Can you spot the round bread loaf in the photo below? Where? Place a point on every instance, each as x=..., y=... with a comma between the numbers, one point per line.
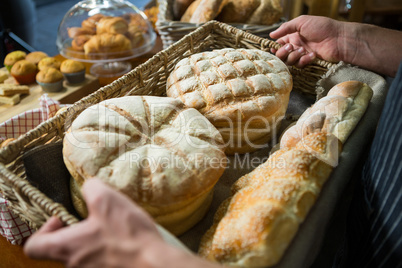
x=164, y=156
x=243, y=92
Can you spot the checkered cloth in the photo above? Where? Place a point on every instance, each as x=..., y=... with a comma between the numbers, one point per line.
x=11, y=226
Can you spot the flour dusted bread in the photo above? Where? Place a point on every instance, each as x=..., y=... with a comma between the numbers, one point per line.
x=243, y=92
x=156, y=151
x=255, y=226
x=337, y=113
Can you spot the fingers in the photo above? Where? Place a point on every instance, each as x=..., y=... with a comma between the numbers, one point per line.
x=291, y=55
x=51, y=225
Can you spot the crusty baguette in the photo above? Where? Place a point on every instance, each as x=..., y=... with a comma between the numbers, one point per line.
x=255, y=226
x=337, y=113
x=202, y=11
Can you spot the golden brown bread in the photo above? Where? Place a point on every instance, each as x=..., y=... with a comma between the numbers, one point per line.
x=154, y=150
x=238, y=11
x=337, y=113
x=201, y=11
x=255, y=226
x=77, y=31
x=107, y=43
x=112, y=25
x=36, y=56
x=49, y=75
x=243, y=92
x=91, y=22
x=267, y=13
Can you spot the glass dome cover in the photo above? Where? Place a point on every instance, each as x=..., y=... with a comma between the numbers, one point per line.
x=104, y=31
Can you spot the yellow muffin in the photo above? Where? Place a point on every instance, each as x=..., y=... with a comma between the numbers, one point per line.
x=13, y=57
x=24, y=72
x=71, y=66
x=73, y=71
x=50, y=79
x=36, y=56
x=48, y=62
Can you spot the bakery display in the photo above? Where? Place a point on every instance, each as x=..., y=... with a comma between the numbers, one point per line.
x=50, y=79
x=255, y=226
x=260, y=12
x=13, y=57
x=73, y=71
x=243, y=92
x=104, y=31
x=24, y=72
x=153, y=149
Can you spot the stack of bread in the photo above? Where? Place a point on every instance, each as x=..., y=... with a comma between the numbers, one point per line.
x=261, y=12
x=101, y=34
x=163, y=155
x=243, y=92
x=255, y=226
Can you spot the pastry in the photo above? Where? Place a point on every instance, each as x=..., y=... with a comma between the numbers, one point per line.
x=79, y=41
x=153, y=149
x=11, y=89
x=77, y=31
x=243, y=92
x=13, y=57
x=50, y=79
x=24, y=72
x=115, y=45
x=112, y=25
x=36, y=56
x=11, y=100
x=91, y=22
x=255, y=226
x=73, y=71
x=48, y=62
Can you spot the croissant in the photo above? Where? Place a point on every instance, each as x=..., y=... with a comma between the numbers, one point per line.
x=107, y=43
x=113, y=25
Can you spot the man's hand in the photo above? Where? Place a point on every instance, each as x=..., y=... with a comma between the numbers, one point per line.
x=306, y=37
x=115, y=234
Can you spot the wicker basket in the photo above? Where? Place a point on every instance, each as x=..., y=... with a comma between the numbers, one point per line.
x=149, y=78
x=172, y=31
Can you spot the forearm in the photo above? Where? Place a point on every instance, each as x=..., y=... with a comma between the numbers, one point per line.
x=372, y=47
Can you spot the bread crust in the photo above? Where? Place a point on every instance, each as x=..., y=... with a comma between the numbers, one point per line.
x=240, y=91
x=255, y=226
x=153, y=149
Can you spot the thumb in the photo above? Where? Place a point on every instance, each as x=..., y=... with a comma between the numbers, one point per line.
x=285, y=29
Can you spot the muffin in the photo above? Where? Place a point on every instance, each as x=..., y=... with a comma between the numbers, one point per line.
x=13, y=57
x=24, y=72
x=49, y=62
x=73, y=71
x=36, y=56
x=50, y=79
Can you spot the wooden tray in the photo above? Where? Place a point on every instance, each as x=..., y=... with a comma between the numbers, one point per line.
x=69, y=94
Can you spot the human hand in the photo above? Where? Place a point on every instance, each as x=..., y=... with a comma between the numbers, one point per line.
x=116, y=233
x=306, y=37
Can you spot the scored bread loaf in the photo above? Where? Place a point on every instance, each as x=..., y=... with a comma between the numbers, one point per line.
x=243, y=92
x=255, y=226
x=164, y=156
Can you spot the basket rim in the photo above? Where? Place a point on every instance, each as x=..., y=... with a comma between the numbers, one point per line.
x=12, y=150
